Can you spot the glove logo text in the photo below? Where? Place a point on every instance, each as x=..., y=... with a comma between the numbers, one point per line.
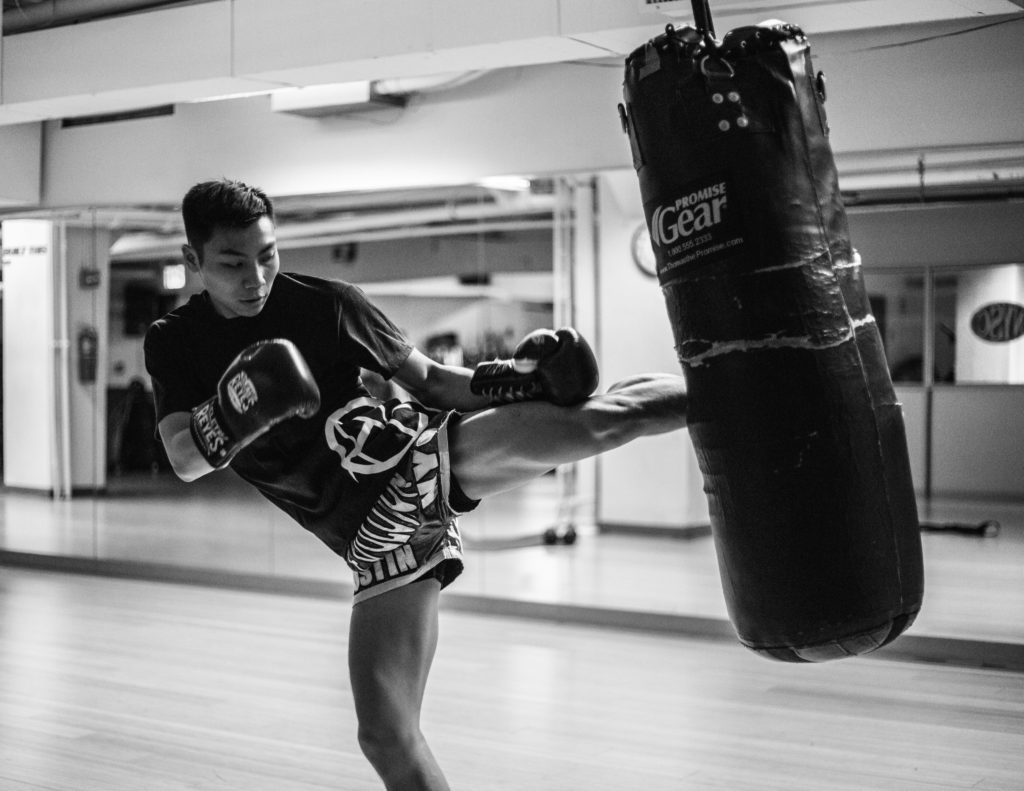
x=209, y=430
x=242, y=392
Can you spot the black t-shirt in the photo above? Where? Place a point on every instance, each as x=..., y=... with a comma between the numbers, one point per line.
x=338, y=331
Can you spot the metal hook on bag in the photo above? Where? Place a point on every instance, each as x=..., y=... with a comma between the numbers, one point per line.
x=728, y=75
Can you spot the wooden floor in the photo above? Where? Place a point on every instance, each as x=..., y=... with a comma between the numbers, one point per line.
x=120, y=685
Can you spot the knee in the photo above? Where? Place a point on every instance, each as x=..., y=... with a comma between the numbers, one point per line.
x=387, y=746
x=376, y=739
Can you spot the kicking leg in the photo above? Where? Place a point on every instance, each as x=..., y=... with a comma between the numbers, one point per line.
x=392, y=641
x=500, y=448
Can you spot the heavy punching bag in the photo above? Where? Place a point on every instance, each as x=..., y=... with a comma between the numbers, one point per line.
x=792, y=412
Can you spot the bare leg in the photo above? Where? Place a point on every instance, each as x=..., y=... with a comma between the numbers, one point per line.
x=392, y=641
x=500, y=448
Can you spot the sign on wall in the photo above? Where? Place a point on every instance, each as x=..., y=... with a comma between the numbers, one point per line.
x=998, y=322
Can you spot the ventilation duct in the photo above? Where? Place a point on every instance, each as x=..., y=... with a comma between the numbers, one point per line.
x=318, y=101
x=24, y=16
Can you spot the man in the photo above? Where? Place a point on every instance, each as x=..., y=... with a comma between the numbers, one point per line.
x=261, y=371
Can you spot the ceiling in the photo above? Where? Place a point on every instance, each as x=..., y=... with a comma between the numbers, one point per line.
x=274, y=45
x=31, y=15
x=65, y=59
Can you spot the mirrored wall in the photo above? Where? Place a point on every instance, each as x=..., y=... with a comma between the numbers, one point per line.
x=467, y=271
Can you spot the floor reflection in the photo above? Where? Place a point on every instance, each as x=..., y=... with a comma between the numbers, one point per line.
x=974, y=585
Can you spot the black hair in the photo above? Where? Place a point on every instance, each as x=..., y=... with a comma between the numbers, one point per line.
x=221, y=203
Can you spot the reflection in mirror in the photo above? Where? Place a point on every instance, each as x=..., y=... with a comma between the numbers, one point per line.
x=897, y=302
x=467, y=271
x=981, y=311
x=464, y=271
x=961, y=442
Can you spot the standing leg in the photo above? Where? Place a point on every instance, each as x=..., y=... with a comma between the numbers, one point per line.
x=503, y=447
x=392, y=641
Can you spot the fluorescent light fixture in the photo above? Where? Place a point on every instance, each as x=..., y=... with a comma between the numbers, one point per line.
x=228, y=96
x=315, y=98
x=506, y=183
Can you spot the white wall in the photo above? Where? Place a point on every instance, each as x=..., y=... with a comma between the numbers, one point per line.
x=979, y=360
x=30, y=433
x=48, y=410
x=653, y=482
x=20, y=165
x=901, y=88
x=940, y=234
x=976, y=442
x=531, y=120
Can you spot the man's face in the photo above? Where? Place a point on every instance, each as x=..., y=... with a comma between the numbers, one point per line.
x=237, y=267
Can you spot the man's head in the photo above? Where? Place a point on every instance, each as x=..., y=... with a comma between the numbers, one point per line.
x=232, y=244
x=222, y=203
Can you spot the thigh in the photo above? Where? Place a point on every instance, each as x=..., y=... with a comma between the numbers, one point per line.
x=392, y=640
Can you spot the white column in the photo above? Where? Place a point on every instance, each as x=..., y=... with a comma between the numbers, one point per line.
x=995, y=356
x=30, y=388
x=575, y=305
x=55, y=300
x=655, y=481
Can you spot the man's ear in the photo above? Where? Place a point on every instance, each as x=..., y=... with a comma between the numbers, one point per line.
x=191, y=257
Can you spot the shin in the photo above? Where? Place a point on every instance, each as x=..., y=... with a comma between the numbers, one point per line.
x=497, y=449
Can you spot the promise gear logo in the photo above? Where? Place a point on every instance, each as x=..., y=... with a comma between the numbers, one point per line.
x=700, y=210
x=698, y=228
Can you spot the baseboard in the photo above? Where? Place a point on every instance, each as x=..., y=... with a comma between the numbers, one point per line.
x=51, y=494
x=186, y=575
x=685, y=532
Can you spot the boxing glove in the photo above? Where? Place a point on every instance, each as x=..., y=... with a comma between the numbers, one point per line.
x=556, y=366
x=267, y=383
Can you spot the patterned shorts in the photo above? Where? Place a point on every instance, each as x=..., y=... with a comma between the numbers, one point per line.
x=412, y=530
